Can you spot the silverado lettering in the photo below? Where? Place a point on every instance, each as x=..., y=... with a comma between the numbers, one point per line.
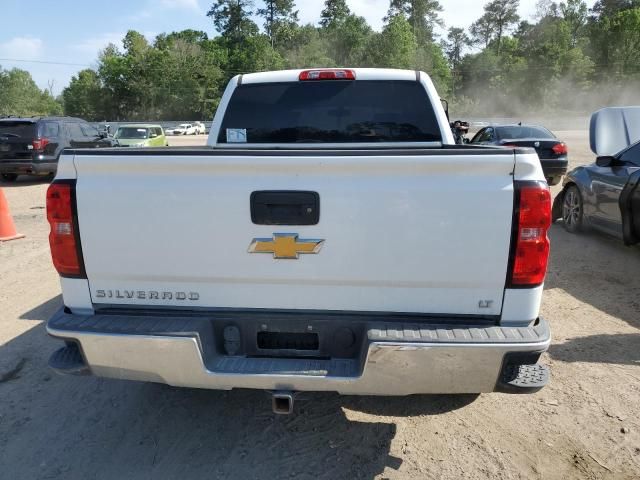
x=143, y=295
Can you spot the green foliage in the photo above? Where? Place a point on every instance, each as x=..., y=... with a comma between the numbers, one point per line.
x=616, y=43
x=82, y=98
x=334, y=13
x=281, y=20
x=20, y=96
x=232, y=19
x=455, y=44
x=396, y=45
x=423, y=16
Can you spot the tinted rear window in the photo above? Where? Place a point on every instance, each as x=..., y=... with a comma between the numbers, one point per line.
x=331, y=112
x=515, y=132
x=18, y=129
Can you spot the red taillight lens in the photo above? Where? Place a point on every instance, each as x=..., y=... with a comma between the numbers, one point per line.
x=533, y=217
x=332, y=74
x=40, y=143
x=64, y=238
x=560, y=149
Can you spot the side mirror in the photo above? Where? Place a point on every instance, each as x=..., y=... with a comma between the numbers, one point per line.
x=606, y=161
x=153, y=135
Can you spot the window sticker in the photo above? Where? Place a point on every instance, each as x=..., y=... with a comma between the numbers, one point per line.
x=236, y=135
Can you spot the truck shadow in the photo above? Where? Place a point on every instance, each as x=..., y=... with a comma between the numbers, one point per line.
x=85, y=427
x=598, y=270
x=43, y=311
x=622, y=349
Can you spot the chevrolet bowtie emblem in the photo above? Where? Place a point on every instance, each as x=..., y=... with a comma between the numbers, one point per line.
x=285, y=245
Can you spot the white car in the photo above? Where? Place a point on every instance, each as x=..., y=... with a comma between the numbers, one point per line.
x=185, y=129
x=200, y=128
x=349, y=247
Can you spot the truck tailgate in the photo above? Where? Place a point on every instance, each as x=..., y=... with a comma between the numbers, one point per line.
x=405, y=230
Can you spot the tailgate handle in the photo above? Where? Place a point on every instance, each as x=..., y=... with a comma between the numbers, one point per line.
x=285, y=207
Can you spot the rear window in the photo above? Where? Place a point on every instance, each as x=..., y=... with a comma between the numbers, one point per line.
x=49, y=129
x=330, y=112
x=516, y=132
x=131, y=132
x=18, y=129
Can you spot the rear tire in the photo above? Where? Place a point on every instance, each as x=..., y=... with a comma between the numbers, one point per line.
x=572, y=211
x=9, y=177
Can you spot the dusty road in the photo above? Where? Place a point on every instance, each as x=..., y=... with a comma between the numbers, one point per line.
x=58, y=427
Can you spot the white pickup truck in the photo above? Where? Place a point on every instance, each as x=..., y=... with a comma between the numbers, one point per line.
x=330, y=237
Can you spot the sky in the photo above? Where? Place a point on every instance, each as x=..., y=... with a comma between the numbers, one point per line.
x=70, y=33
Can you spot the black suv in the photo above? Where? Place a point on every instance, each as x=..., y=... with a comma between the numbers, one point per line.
x=32, y=146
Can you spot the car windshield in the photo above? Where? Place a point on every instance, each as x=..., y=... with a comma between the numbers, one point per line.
x=132, y=132
x=184, y=125
x=17, y=129
x=333, y=111
x=515, y=132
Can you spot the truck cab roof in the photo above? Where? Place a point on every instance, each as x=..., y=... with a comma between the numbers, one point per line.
x=360, y=74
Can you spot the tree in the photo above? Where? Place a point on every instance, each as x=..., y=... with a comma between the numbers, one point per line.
x=232, y=19
x=457, y=40
x=19, y=95
x=615, y=44
x=502, y=14
x=546, y=8
x=335, y=13
x=482, y=31
x=309, y=47
x=280, y=19
x=82, y=98
x=423, y=16
x=576, y=14
x=607, y=8
x=395, y=46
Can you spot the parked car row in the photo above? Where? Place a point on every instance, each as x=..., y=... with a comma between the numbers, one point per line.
x=32, y=146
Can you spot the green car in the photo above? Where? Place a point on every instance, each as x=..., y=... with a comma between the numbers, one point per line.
x=141, y=136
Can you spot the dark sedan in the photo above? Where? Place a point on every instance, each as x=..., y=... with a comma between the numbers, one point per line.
x=552, y=152
x=604, y=195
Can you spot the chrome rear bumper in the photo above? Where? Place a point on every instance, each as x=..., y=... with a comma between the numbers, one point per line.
x=393, y=358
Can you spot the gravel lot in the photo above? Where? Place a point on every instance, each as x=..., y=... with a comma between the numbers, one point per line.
x=583, y=425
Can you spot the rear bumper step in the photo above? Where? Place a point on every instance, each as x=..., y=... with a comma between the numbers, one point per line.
x=523, y=378
x=388, y=358
x=68, y=360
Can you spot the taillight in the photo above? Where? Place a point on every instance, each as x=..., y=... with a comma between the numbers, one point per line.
x=529, y=242
x=560, y=149
x=64, y=237
x=327, y=74
x=40, y=143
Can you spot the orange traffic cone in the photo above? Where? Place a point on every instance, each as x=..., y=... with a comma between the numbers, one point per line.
x=7, y=228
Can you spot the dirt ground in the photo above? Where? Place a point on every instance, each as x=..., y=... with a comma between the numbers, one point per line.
x=583, y=425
